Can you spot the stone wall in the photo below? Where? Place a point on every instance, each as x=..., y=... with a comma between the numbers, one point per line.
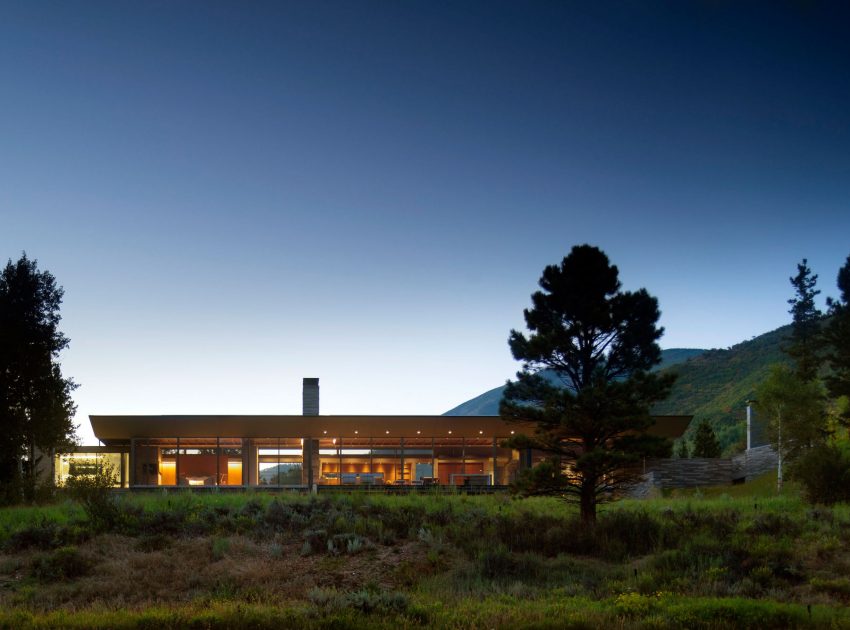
x=754, y=462
x=689, y=473
x=701, y=471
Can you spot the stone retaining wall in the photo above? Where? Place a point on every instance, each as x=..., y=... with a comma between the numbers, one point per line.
x=702, y=471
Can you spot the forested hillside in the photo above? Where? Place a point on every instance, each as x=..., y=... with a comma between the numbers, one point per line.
x=487, y=404
x=712, y=385
x=716, y=385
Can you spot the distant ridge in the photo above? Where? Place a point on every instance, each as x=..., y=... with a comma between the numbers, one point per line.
x=487, y=404
x=712, y=385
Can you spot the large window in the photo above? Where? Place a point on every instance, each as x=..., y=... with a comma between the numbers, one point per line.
x=84, y=464
x=231, y=469
x=280, y=461
x=199, y=462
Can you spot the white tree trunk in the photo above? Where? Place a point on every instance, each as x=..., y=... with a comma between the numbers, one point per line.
x=779, y=453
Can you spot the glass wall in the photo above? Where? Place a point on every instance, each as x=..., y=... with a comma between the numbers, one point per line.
x=386, y=460
x=419, y=461
x=232, y=459
x=280, y=462
x=83, y=464
x=199, y=462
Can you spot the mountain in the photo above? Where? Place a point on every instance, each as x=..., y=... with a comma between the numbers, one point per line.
x=712, y=385
x=487, y=404
x=715, y=386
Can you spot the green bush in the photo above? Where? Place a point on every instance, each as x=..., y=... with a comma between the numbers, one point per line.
x=367, y=601
x=46, y=535
x=94, y=493
x=824, y=474
x=622, y=533
x=65, y=563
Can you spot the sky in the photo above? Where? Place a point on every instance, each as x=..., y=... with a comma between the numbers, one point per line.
x=236, y=195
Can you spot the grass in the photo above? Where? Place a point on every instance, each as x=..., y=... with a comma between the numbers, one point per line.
x=738, y=556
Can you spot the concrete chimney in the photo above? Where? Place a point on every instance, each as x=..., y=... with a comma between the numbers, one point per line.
x=310, y=398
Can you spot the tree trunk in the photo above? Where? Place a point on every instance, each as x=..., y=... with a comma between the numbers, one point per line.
x=779, y=458
x=587, y=501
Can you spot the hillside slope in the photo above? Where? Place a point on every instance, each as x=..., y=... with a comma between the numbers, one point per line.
x=712, y=385
x=716, y=385
x=487, y=404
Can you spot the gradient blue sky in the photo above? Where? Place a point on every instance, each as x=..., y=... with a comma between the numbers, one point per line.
x=237, y=195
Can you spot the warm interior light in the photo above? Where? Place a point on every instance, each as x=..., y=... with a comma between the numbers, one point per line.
x=325, y=432
x=356, y=432
x=450, y=432
x=234, y=473
x=512, y=432
x=481, y=433
x=418, y=432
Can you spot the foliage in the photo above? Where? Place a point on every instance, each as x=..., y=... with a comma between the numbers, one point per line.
x=806, y=340
x=824, y=473
x=665, y=563
x=601, y=343
x=837, y=335
x=682, y=451
x=487, y=404
x=705, y=441
x=36, y=409
x=716, y=385
x=795, y=410
x=93, y=491
x=65, y=563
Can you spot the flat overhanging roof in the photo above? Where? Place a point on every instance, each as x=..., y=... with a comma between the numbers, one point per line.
x=118, y=429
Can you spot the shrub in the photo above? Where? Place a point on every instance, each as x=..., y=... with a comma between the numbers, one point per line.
x=315, y=541
x=278, y=515
x=64, y=563
x=501, y=564
x=824, y=474
x=622, y=533
x=94, y=493
x=46, y=535
x=152, y=542
x=219, y=548
x=774, y=524
x=42, y=535
x=365, y=600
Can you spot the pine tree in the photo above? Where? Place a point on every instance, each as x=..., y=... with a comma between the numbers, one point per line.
x=36, y=409
x=682, y=451
x=806, y=340
x=601, y=343
x=705, y=441
x=838, y=337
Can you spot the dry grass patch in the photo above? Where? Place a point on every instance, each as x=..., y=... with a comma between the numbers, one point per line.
x=203, y=569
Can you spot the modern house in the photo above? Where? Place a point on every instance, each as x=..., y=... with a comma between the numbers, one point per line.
x=310, y=449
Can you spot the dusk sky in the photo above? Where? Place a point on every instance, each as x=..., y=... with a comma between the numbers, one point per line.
x=238, y=195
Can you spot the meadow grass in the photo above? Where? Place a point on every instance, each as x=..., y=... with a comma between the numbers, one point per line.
x=715, y=558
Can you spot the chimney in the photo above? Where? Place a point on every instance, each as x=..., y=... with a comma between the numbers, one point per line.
x=310, y=398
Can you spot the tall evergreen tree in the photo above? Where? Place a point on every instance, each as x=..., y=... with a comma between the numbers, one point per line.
x=806, y=340
x=682, y=451
x=838, y=336
x=36, y=409
x=601, y=343
x=705, y=441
